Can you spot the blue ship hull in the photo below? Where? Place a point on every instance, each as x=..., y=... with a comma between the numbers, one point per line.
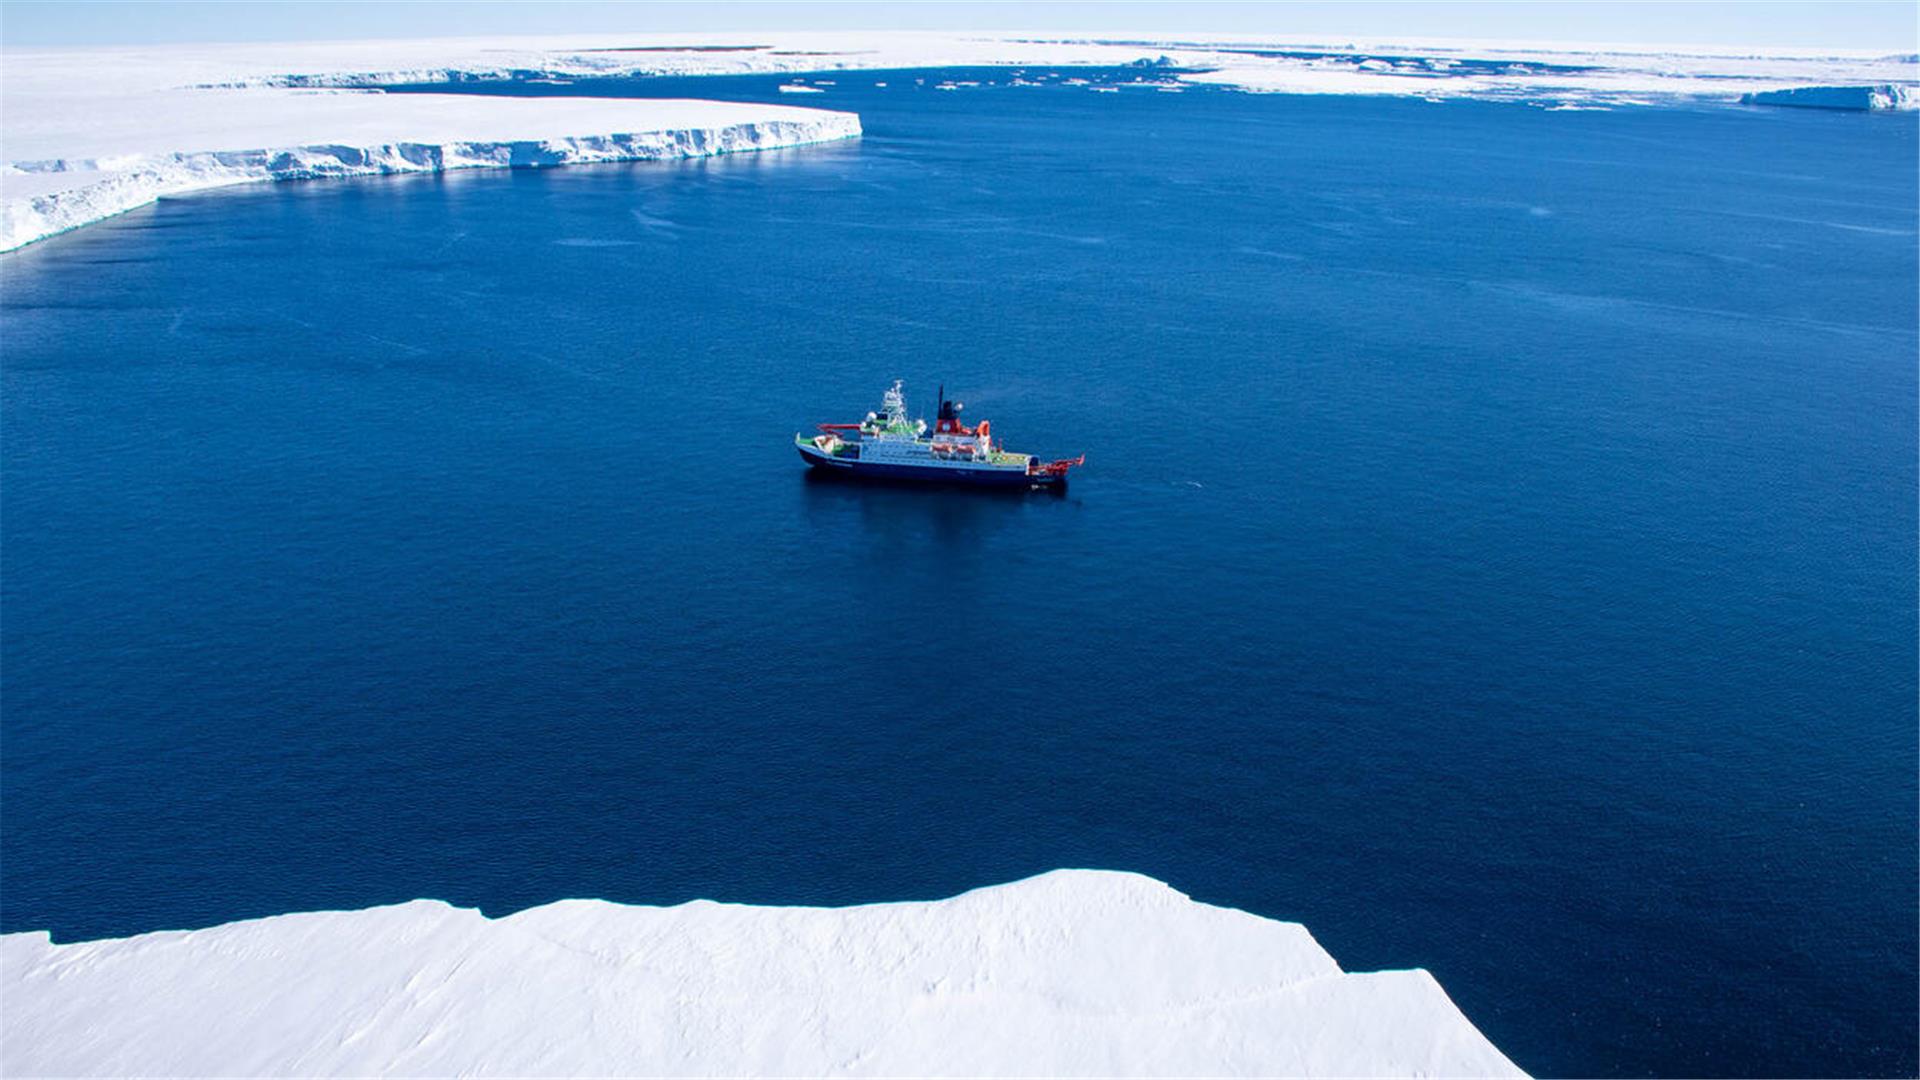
x=950, y=476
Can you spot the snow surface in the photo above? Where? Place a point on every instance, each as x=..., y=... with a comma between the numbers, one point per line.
x=1076, y=972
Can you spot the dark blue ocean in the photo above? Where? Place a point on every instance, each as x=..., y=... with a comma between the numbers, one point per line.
x=1496, y=548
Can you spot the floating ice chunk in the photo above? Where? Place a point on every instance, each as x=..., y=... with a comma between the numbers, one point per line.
x=1882, y=96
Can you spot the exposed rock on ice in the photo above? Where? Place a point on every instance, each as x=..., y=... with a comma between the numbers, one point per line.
x=1070, y=973
x=1883, y=96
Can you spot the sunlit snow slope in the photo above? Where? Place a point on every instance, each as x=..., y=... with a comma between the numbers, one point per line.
x=1070, y=973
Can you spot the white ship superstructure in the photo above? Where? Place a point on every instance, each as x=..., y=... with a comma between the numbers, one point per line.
x=887, y=445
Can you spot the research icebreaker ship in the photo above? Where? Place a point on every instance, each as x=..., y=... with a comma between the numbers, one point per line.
x=888, y=446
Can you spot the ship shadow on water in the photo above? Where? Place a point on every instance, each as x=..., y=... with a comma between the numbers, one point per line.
x=818, y=479
x=897, y=508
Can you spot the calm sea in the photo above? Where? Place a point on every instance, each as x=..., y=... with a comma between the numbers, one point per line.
x=1496, y=548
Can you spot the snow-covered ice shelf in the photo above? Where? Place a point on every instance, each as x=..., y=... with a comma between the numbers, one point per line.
x=351, y=134
x=126, y=125
x=1071, y=973
x=89, y=134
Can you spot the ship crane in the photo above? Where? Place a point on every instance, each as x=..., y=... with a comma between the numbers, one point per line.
x=1060, y=467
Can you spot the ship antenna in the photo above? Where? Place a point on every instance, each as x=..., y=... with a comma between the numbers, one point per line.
x=895, y=404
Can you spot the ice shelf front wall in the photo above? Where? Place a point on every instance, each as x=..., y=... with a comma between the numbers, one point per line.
x=1076, y=972
x=1860, y=98
x=297, y=135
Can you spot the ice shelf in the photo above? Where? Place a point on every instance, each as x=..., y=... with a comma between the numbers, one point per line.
x=93, y=132
x=180, y=141
x=1075, y=972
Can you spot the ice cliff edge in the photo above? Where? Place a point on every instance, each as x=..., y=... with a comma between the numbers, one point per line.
x=329, y=135
x=1866, y=98
x=1072, y=972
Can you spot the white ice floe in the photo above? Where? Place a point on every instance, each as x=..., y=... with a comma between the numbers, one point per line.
x=1070, y=973
x=1413, y=66
x=1884, y=96
x=1599, y=75
x=1252, y=61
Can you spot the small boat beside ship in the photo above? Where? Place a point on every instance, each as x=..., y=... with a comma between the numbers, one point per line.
x=888, y=446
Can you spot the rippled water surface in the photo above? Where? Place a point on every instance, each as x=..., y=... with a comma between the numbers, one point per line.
x=1496, y=548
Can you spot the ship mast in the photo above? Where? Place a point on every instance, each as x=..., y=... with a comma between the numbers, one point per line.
x=895, y=404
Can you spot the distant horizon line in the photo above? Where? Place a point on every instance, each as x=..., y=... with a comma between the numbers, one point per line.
x=1196, y=37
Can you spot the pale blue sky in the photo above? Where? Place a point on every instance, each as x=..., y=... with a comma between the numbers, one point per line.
x=1874, y=24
